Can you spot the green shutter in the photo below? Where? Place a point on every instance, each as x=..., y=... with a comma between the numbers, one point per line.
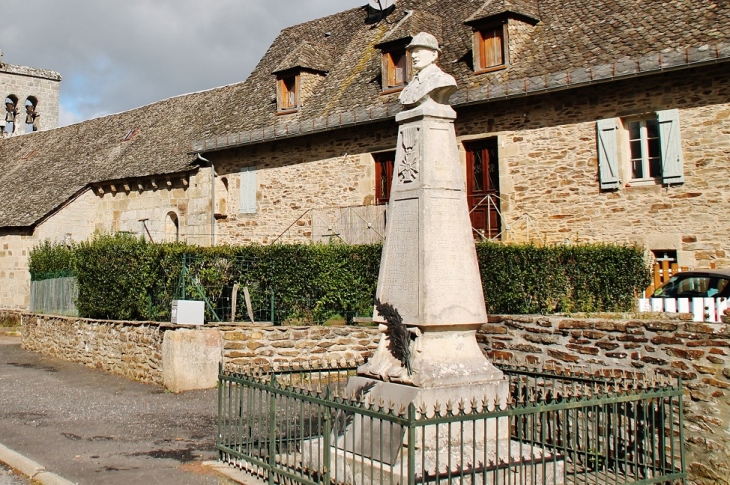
x=248, y=190
x=606, y=131
x=671, y=144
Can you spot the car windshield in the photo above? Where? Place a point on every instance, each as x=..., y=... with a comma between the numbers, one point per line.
x=680, y=286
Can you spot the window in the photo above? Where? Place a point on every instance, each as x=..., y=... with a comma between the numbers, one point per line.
x=172, y=227
x=383, y=176
x=396, y=69
x=644, y=152
x=288, y=93
x=247, y=203
x=490, y=48
x=652, y=146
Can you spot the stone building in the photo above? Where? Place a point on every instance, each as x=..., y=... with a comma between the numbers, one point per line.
x=601, y=121
x=30, y=99
x=604, y=121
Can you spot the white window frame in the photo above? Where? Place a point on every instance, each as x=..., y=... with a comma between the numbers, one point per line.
x=644, y=145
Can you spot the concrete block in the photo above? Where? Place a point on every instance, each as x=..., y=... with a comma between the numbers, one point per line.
x=190, y=358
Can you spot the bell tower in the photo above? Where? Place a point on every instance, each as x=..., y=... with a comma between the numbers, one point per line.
x=30, y=99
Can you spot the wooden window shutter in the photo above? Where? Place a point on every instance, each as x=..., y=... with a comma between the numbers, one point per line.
x=280, y=93
x=671, y=146
x=297, y=90
x=248, y=190
x=606, y=131
x=477, y=51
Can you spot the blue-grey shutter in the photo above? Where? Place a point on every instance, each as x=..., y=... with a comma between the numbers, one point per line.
x=671, y=143
x=248, y=190
x=607, y=153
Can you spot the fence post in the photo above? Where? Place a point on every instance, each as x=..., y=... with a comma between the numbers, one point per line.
x=681, y=429
x=273, y=320
x=272, y=429
x=412, y=444
x=219, y=438
x=326, y=452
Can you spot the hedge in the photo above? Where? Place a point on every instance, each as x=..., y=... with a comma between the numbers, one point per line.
x=125, y=278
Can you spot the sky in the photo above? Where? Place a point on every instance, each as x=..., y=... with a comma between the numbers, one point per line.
x=117, y=55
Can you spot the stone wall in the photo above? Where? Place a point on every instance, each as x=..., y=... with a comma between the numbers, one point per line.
x=699, y=353
x=141, y=350
x=328, y=170
x=548, y=166
x=42, y=84
x=129, y=349
x=258, y=345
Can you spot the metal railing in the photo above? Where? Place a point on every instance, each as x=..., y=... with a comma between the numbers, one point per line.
x=305, y=425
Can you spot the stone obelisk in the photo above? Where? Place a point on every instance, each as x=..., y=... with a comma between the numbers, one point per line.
x=429, y=270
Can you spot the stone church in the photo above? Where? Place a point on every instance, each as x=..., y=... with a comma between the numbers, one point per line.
x=602, y=121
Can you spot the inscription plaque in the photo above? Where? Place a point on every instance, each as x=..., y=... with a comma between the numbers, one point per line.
x=400, y=270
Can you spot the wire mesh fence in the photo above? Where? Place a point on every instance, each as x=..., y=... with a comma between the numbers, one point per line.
x=305, y=425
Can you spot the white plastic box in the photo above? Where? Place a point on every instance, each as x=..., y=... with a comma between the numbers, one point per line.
x=188, y=312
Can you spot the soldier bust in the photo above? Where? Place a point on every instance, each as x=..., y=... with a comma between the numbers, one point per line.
x=430, y=84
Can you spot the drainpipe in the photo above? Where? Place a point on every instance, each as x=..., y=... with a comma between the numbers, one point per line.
x=212, y=198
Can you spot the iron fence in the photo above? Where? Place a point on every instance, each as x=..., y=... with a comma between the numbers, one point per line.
x=305, y=425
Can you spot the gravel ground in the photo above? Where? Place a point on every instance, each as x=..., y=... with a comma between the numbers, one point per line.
x=7, y=477
x=91, y=427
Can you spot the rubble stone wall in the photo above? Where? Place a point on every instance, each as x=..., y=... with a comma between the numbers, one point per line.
x=699, y=353
x=129, y=349
x=258, y=345
x=135, y=349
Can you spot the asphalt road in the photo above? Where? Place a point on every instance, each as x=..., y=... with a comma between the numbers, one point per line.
x=91, y=427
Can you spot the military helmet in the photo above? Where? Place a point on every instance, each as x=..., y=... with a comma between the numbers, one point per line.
x=424, y=39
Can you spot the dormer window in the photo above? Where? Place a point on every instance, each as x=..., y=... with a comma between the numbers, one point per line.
x=396, y=66
x=287, y=93
x=490, y=47
x=395, y=69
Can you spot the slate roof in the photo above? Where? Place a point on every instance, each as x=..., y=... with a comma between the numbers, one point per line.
x=65, y=160
x=570, y=35
x=528, y=8
x=307, y=56
x=574, y=40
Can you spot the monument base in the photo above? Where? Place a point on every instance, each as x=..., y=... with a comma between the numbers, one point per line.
x=440, y=358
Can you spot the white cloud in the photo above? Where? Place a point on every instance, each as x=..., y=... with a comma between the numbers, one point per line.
x=115, y=56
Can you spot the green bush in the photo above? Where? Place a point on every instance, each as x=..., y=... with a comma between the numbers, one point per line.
x=523, y=279
x=123, y=277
